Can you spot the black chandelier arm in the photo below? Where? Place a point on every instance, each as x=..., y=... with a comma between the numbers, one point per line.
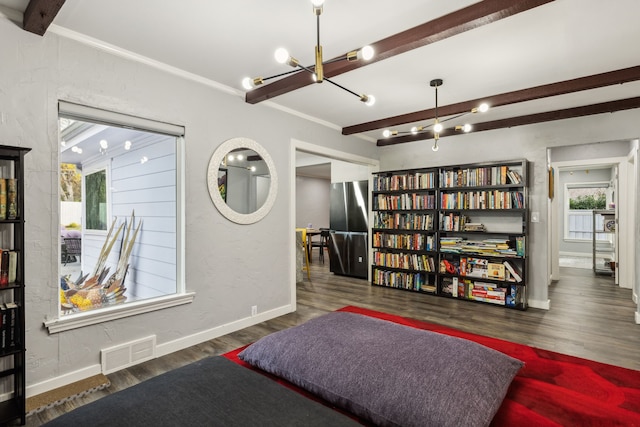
x=455, y=117
x=280, y=75
x=342, y=87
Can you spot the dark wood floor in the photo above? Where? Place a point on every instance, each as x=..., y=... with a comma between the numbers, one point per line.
x=590, y=317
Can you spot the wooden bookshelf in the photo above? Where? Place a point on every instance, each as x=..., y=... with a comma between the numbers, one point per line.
x=456, y=231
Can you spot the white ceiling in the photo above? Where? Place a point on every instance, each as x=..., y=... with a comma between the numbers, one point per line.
x=226, y=41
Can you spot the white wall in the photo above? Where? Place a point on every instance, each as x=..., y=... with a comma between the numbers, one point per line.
x=230, y=267
x=529, y=142
x=349, y=172
x=312, y=202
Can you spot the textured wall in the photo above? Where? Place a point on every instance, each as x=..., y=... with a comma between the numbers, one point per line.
x=528, y=142
x=230, y=267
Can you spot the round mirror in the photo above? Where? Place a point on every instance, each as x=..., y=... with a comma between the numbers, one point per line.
x=242, y=180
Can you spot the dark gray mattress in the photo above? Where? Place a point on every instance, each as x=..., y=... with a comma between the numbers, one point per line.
x=211, y=392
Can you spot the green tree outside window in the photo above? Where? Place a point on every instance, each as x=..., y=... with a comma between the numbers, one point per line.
x=96, y=200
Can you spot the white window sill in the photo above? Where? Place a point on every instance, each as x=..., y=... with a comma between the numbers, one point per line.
x=74, y=321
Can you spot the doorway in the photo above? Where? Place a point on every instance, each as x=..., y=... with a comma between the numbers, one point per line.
x=365, y=165
x=616, y=162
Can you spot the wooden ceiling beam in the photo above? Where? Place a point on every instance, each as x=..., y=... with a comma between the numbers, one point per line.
x=567, y=113
x=468, y=18
x=595, y=81
x=40, y=14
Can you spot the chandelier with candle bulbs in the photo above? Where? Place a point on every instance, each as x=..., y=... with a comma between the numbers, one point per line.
x=316, y=70
x=437, y=125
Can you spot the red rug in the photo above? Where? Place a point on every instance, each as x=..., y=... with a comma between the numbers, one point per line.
x=552, y=389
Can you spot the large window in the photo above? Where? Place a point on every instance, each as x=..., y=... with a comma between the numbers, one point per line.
x=120, y=205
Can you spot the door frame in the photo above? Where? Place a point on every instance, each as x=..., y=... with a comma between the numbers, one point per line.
x=330, y=153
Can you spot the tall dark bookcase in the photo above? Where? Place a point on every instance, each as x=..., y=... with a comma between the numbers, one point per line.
x=12, y=330
x=455, y=231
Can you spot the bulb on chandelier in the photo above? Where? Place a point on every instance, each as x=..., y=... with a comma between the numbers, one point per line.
x=437, y=128
x=368, y=100
x=387, y=133
x=281, y=55
x=248, y=83
x=435, y=146
x=366, y=53
x=482, y=108
x=464, y=128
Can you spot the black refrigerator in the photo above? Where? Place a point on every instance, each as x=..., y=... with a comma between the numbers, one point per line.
x=348, y=217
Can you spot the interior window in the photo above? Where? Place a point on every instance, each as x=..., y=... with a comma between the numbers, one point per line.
x=119, y=223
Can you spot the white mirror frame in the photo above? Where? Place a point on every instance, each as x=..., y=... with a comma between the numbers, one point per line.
x=212, y=180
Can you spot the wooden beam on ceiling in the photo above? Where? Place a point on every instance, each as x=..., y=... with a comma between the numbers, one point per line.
x=567, y=113
x=595, y=81
x=468, y=18
x=40, y=14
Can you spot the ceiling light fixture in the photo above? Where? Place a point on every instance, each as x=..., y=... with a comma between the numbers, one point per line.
x=317, y=70
x=437, y=126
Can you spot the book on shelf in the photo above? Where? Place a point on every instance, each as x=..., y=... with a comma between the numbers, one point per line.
x=496, y=271
x=488, y=292
x=3, y=198
x=514, y=176
x=513, y=296
x=8, y=266
x=474, y=226
x=475, y=267
x=514, y=271
x=4, y=268
x=520, y=245
x=8, y=325
x=12, y=198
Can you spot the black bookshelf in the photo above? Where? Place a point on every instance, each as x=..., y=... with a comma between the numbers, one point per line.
x=468, y=243
x=12, y=307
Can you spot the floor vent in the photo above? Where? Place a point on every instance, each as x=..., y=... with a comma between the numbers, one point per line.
x=127, y=354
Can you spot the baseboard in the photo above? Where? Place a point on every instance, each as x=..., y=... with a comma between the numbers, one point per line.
x=218, y=331
x=63, y=380
x=162, y=349
x=543, y=305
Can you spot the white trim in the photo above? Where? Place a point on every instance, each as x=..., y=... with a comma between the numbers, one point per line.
x=111, y=118
x=218, y=331
x=132, y=56
x=637, y=318
x=164, y=349
x=73, y=321
x=11, y=14
x=297, y=145
x=62, y=380
x=123, y=53
x=543, y=305
x=577, y=254
x=181, y=216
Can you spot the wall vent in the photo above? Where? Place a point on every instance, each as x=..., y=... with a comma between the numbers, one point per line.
x=127, y=354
